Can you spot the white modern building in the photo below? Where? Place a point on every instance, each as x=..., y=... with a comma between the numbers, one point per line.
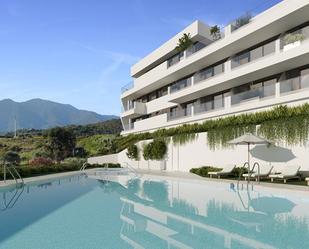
x=253, y=65
x=248, y=67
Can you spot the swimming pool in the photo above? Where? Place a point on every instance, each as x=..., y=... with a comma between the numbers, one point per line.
x=153, y=213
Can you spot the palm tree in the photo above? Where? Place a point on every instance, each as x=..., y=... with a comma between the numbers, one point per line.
x=184, y=42
x=215, y=32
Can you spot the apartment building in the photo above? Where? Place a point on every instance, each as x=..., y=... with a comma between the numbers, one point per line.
x=252, y=65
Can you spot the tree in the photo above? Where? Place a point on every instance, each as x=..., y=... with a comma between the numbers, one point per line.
x=215, y=32
x=12, y=158
x=61, y=143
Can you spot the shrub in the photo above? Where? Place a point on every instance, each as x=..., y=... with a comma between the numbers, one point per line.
x=291, y=38
x=12, y=157
x=41, y=161
x=203, y=171
x=155, y=150
x=133, y=152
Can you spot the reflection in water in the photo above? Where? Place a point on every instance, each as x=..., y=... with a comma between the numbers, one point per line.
x=9, y=199
x=152, y=220
x=154, y=214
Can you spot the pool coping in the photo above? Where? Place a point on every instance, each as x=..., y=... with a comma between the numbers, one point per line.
x=166, y=174
x=34, y=179
x=194, y=177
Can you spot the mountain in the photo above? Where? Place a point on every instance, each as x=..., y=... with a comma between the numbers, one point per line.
x=43, y=114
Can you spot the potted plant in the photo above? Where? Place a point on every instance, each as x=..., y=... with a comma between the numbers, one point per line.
x=215, y=32
x=292, y=40
x=242, y=20
x=184, y=42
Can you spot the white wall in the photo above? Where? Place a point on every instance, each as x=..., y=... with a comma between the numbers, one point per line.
x=113, y=158
x=197, y=153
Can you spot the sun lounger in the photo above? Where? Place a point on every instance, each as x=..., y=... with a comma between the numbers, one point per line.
x=289, y=172
x=265, y=171
x=226, y=170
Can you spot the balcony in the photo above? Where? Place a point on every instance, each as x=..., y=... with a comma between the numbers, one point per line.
x=294, y=85
x=253, y=54
x=134, y=109
x=128, y=127
x=127, y=87
x=208, y=106
x=180, y=84
x=241, y=21
x=294, y=39
x=254, y=94
x=175, y=59
x=208, y=73
x=195, y=48
x=179, y=113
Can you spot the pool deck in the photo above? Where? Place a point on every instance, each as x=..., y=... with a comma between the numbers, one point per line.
x=166, y=174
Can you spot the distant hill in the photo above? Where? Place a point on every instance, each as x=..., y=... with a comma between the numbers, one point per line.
x=43, y=114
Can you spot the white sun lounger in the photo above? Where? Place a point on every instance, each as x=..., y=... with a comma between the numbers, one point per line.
x=265, y=171
x=289, y=172
x=226, y=170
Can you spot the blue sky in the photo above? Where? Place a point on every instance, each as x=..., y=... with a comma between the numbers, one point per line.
x=79, y=52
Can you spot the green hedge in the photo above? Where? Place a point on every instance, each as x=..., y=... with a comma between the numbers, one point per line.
x=155, y=150
x=28, y=171
x=282, y=123
x=133, y=152
x=203, y=171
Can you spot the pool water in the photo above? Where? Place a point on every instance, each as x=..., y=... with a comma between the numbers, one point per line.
x=152, y=213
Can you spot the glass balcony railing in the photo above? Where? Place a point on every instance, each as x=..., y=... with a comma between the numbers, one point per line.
x=195, y=48
x=127, y=87
x=208, y=73
x=179, y=113
x=254, y=54
x=241, y=21
x=208, y=106
x=128, y=127
x=175, y=59
x=258, y=93
x=181, y=84
x=294, y=84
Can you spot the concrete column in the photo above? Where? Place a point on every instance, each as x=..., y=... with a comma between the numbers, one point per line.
x=278, y=45
x=227, y=100
x=277, y=89
x=228, y=66
x=227, y=30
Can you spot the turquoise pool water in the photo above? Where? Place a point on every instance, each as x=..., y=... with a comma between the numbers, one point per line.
x=151, y=213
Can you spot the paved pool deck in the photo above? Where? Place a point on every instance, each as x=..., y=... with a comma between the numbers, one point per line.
x=166, y=174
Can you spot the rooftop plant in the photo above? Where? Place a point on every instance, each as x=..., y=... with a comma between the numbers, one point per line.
x=242, y=20
x=215, y=32
x=291, y=38
x=184, y=42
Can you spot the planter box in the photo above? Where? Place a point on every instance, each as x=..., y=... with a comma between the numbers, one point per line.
x=291, y=45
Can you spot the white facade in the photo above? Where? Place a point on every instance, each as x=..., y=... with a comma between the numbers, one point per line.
x=251, y=68
x=259, y=65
